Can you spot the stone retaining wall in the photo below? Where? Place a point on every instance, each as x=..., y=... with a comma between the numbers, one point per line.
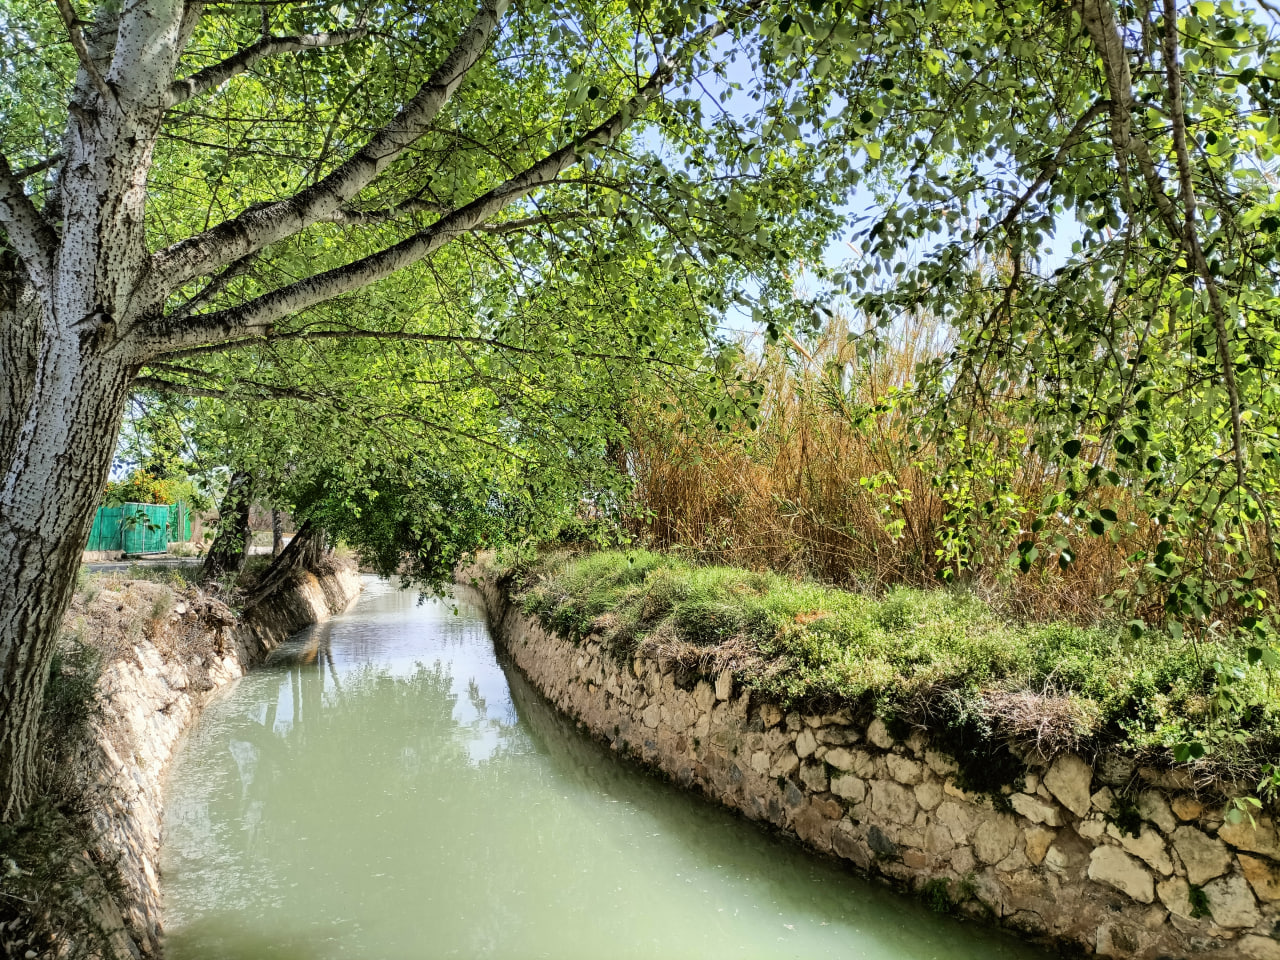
x=147, y=702
x=1115, y=860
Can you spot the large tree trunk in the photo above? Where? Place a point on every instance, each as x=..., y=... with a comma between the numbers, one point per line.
x=230, y=547
x=63, y=398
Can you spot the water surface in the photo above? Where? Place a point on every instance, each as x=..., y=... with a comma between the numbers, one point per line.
x=386, y=787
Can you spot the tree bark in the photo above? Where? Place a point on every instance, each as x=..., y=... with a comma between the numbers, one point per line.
x=230, y=547
x=277, y=533
x=304, y=551
x=58, y=430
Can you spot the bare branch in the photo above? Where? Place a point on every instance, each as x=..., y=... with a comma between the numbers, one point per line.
x=262, y=390
x=31, y=235
x=40, y=167
x=216, y=285
x=213, y=76
x=1103, y=30
x=72, y=21
x=261, y=226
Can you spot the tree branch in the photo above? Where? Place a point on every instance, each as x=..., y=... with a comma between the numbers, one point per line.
x=217, y=74
x=254, y=319
x=1173, y=75
x=261, y=226
x=349, y=216
x=40, y=167
x=72, y=21
x=1050, y=169
x=31, y=235
x=263, y=390
x=216, y=285
x=1105, y=33
x=165, y=361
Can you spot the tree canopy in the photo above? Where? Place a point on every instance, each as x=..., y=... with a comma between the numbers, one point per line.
x=462, y=237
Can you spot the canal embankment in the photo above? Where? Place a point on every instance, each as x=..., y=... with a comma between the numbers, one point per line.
x=139, y=659
x=1094, y=850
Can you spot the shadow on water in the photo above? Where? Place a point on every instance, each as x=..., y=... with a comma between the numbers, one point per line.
x=384, y=787
x=796, y=878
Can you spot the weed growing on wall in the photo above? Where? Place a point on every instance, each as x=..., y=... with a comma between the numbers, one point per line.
x=941, y=659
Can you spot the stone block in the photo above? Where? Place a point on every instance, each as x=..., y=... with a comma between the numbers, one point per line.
x=1069, y=780
x=1259, y=948
x=1231, y=902
x=840, y=758
x=963, y=861
x=704, y=696
x=1175, y=894
x=814, y=777
x=724, y=685
x=940, y=763
x=775, y=739
x=1154, y=807
x=960, y=818
x=864, y=764
x=1092, y=828
x=995, y=838
x=1149, y=847
x=880, y=843
x=792, y=796
x=1116, y=940
x=1037, y=810
x=1204, y=857
x=905, y=771
x=878, y=734
x=928, y=794
x=1258, y=837
x=847, y=842
x=938, y=840
x=806, y=743
x=1187, y=808
x=851, y=788
x=785, y=764
x=760, y=762
x=770, y=714
x=1263, y=876
x=652, y=715
x=838, y=736
x=1103, y=800
x=893, y=802
x=1117, y=869
x=1037, y=842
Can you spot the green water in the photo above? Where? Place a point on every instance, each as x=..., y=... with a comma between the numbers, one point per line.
x=387, y=787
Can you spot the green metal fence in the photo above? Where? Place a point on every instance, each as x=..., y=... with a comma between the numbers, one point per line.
x=179, y=522
x=105, y=534
x=139, y=527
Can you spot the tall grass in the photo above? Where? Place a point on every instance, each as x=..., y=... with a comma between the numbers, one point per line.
x=839, y=482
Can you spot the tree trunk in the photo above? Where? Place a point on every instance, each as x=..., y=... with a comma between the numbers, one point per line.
x=305, y=550
x=230, y=547
x=277, y=532
x=64, y=392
